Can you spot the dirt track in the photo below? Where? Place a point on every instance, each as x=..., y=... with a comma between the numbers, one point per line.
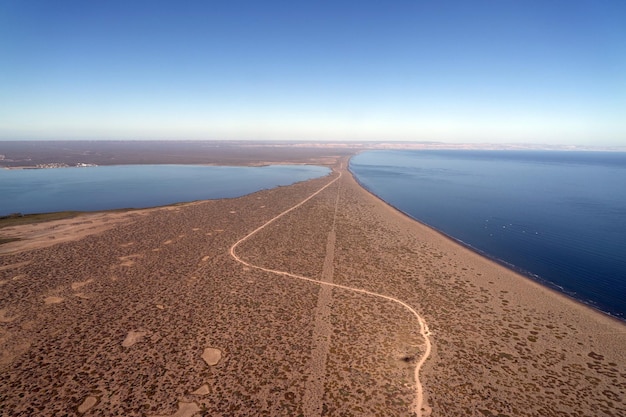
x=154, y=315
x=313, y=394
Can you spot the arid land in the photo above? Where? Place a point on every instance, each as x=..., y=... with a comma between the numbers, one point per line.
x=30, y=154
x=148, y=313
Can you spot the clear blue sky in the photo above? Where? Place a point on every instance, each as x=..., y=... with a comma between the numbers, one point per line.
x=467, y=71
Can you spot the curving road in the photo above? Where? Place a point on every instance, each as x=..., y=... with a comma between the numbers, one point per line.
x=419, y=395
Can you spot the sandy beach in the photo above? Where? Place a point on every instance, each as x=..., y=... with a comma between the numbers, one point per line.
x=298, y=300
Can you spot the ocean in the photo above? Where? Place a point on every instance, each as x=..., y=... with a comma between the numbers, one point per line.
x=30, y=191
x=558, y=217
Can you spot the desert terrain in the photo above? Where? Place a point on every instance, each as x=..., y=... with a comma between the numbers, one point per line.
x=29, y=154
x=312, y=299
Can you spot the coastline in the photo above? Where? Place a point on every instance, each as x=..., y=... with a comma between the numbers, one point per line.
x=514, y=268
x=142, y=186
x=502, y=343
x=521, y=273
x=495, y=333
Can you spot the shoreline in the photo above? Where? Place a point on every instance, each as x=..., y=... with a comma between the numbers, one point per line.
x=148, y=201
x=35, y=230
x=259, y=164
x=605, y=332
x=514, y=268
x=520, y=272
x=501, y=343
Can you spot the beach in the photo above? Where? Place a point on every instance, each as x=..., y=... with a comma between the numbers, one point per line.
x=300, y=300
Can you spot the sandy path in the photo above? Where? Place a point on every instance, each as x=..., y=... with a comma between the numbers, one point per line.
x=322, y=332
x=419, y=397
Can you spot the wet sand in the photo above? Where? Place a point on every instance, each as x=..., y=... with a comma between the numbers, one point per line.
x=151, y=315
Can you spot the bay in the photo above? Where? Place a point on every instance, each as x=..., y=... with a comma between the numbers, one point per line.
x=558, y=217
x=30, y=191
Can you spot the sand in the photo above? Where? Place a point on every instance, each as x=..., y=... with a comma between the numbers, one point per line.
x=212, y=356
x=166, y=280
x=133, y=337
x=87, y=404
x=41, y=235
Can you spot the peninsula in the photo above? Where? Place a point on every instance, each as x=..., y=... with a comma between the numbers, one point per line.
x=312, y=299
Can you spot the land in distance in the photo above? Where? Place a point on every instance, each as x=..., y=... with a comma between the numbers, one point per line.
x=148, y=313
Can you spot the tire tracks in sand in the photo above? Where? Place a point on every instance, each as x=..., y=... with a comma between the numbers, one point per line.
x=418, y=405
x=322, y=330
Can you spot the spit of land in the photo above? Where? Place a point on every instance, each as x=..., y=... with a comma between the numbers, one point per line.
x=148, y=313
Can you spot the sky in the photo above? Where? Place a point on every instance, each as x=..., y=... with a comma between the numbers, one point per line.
x=498, y=71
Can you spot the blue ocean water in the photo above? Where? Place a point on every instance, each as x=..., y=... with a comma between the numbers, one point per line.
x=136, y=186
x=559, y=217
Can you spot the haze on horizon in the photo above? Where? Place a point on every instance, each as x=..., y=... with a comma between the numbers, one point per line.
x=485, y=71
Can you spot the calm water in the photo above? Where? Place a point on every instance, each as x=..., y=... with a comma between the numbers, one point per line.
x=557, y=216
x=126, y=186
